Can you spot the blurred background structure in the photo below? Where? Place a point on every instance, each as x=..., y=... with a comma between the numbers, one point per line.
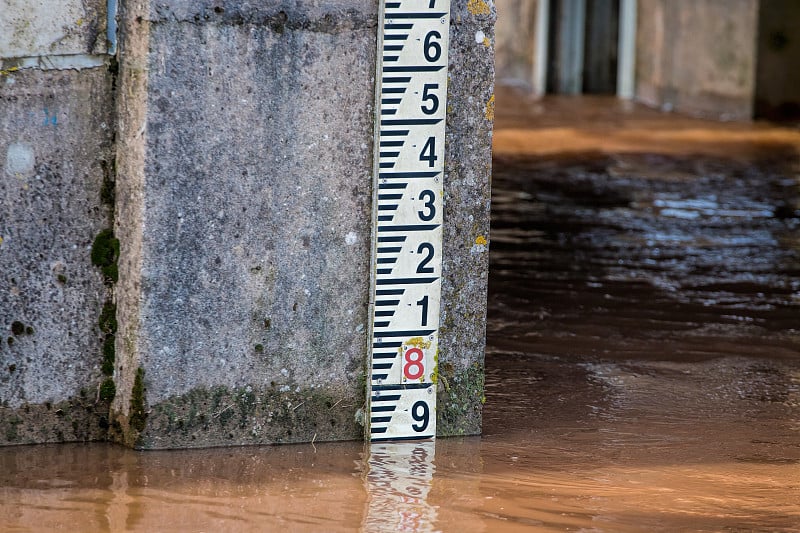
x=726, y=59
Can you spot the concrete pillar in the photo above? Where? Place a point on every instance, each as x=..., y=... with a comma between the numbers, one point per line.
x=56, y=187
x=542, y=39
x=626, y=52
x=243, y=214
x=569, y=42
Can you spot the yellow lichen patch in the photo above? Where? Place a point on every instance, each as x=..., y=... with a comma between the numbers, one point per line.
x=489, y=111
x=8, y=71
x=486, y=42
x=480, y=239
x=1, y=241
x=79, y=22
x=478, y=7
x=418, y=342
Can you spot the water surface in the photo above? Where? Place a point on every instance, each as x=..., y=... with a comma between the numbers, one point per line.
x=642, y=370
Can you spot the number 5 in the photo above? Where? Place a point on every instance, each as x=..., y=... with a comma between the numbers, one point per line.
x=434, y=100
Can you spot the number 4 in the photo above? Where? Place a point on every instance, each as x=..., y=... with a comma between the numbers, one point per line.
x=428, y=152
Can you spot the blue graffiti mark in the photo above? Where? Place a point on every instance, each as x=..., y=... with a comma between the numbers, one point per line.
x=111, y=26
x=48, y=119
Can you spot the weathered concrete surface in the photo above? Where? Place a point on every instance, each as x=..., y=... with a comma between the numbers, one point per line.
x=515, y=48
x=698, y=57
x=56, y=130
x=468, y=169
x=245, y=184
x=42, y=28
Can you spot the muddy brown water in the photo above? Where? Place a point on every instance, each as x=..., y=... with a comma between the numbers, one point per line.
x=642, y=369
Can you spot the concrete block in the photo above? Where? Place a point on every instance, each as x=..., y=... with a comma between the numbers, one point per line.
x=516, y=42
x=56, y=131
x=470, y=117
x=245, y=160
x=47, y=28
x=698, y=57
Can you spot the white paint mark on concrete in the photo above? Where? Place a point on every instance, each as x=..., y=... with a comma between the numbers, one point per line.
x=20, y=159
x=66, y=62
x=477, y=249
x=351, y=238
x=479, y=37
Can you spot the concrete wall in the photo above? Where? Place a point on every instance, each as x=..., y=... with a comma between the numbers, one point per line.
x=698, y=56
x=245, y=159
x=231, y=155
x=516, y=42
x=45, y=28
x=56, y=162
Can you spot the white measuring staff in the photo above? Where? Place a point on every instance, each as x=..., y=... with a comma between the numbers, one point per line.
x=411, y=94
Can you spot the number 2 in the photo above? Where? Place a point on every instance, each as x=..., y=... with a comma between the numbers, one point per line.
x=422, y=267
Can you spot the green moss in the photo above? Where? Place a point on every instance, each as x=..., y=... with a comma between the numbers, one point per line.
x=138, y=417
x=105, y=253
x=108, y=189
x=108, y=390
x=461, y=401
x=259, y=348
x=109, y=355
x=12, y=433
x=29, y=330
x=62, y=278
x=17, y=328
x=108, y=318
x=80, y=418
x=251, y=415
x=10, y=341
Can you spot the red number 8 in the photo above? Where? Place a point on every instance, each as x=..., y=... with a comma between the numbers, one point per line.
x=413, y=368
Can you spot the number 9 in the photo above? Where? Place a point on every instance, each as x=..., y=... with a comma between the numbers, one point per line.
x=422, y=417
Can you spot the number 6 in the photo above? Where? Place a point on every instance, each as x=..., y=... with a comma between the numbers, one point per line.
x=432, y=50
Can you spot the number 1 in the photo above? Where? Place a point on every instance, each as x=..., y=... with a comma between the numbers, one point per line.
x=424, y=304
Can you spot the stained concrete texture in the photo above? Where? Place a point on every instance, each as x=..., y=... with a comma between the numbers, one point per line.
x=245, y=163
x=45, y=28
x=516, y=42
x=56, y=130
x=698, y=57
